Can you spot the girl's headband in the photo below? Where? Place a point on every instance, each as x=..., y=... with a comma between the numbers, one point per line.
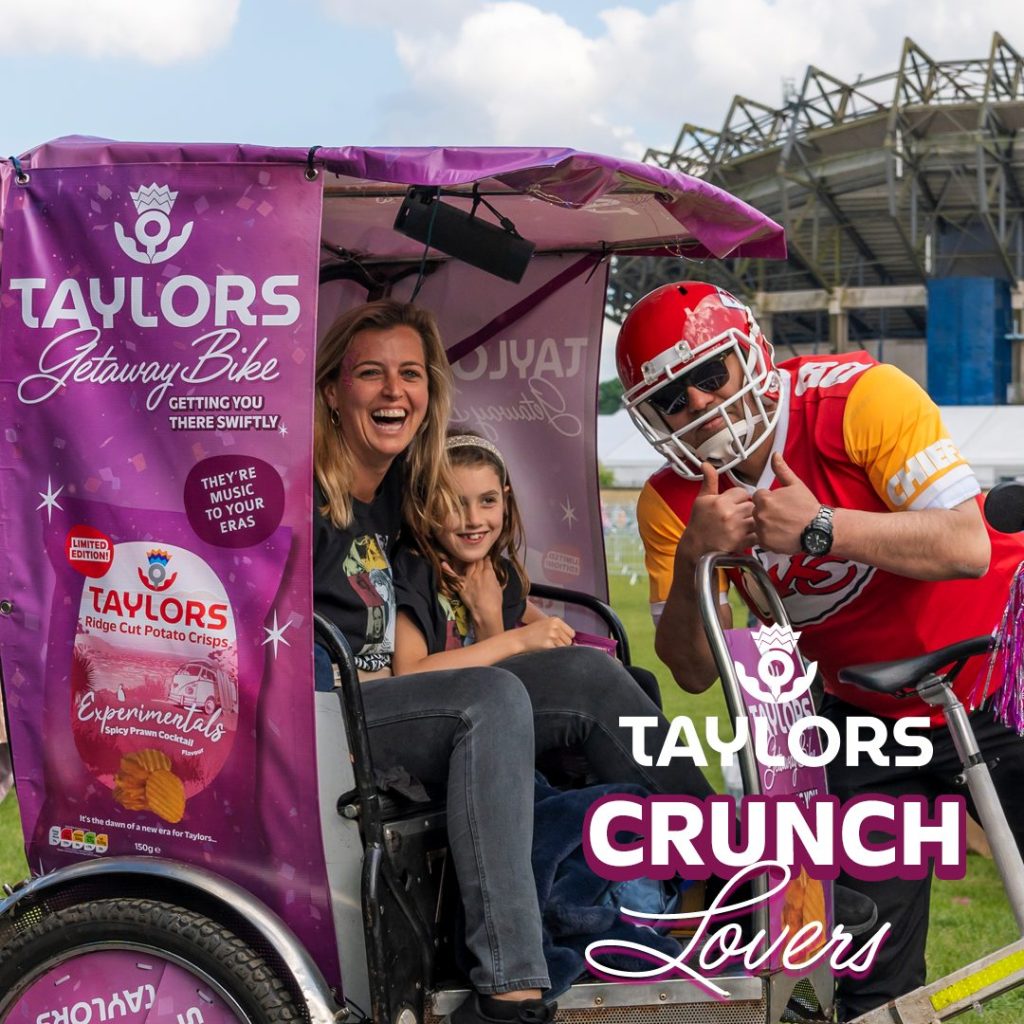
x=472, y=441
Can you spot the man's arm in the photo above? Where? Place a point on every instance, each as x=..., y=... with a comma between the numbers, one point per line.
x=932, y=544
x=924, y=544
x=718, y=522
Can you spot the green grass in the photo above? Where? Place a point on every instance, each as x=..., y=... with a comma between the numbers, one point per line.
x=12, y=855
x=969, y=918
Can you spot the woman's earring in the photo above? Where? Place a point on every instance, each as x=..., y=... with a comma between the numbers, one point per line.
x=335, y=418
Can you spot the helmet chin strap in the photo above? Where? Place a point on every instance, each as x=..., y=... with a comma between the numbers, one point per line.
x=721, y=447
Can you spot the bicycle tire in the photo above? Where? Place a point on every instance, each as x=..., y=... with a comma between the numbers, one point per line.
x=194, y=944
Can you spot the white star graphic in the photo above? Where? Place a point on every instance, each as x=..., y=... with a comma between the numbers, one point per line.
x=276, y=635
x=282, y=430
x=49, y=501
x=568, y=512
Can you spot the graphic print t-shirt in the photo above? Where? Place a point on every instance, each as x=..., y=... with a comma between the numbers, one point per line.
x=445, y=622
x=353, y=584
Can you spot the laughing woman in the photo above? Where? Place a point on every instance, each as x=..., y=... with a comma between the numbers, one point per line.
x=383, y=399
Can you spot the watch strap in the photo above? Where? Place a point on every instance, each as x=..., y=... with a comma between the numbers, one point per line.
x=823, y=520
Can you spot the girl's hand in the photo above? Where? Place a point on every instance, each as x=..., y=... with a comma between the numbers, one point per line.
x=481, y=593
x=545, y=633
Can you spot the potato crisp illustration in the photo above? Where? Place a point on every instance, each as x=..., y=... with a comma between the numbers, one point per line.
x=141, y=763
x=803, y=904
x=145, y=782
x=155, y=654
x=165, y=795
x=131, y=795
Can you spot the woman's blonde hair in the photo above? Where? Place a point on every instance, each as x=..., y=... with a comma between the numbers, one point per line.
x=429, y=497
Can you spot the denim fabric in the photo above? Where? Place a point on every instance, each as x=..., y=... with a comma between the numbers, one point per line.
x=323, y=676
x=578, y=695
x=472, y=735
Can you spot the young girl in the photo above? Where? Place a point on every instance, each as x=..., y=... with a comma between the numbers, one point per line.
x=462, y=599
x=462, y=596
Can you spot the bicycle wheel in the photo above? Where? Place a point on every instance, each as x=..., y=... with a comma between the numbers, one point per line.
x=135, y=961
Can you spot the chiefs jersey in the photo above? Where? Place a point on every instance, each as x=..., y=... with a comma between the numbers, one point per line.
x=861, y=435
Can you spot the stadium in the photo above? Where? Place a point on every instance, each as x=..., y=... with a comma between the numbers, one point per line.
x=902, y=196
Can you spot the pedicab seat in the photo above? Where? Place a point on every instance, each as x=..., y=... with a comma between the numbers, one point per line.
x=898, y=678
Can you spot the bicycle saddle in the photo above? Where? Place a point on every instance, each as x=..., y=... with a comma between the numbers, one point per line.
x=893, y=676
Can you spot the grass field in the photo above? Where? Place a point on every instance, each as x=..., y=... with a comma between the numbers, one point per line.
x=969, y=918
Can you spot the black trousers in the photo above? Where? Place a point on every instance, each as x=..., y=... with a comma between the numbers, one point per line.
x=900, y=965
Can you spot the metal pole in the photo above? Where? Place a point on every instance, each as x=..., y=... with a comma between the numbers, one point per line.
x=986, y=800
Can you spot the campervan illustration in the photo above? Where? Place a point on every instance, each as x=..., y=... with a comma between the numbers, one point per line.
x=205, y=684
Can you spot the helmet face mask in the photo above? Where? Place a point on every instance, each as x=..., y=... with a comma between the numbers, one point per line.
x=680, y=328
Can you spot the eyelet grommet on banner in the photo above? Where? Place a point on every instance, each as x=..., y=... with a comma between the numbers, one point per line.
x=311, y=172
x=21, y=176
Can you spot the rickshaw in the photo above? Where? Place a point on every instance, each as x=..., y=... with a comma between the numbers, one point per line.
x=159, y=312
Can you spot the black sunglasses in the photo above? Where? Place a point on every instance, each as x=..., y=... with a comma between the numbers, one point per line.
x=671, y=397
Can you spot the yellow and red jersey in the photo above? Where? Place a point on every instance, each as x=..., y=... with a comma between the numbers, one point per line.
x=861, y=435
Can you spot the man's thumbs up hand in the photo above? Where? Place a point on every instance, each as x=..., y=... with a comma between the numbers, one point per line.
x=719, y=521
x=781, y=514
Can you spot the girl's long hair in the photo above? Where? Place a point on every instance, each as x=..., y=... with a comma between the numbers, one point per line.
x=429, y=497
x=511, y=538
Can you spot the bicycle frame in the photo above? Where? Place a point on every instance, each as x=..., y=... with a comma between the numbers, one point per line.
x=755, y=776
x=998, y=972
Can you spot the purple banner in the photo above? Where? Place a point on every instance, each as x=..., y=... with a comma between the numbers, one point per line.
x=157, y=326
x=775, y=690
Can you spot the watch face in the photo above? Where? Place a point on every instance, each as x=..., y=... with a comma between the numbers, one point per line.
x=816, y=542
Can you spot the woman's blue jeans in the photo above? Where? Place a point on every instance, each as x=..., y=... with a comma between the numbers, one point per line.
x=472, y=735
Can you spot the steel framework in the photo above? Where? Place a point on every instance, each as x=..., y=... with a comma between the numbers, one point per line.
x=880, y=184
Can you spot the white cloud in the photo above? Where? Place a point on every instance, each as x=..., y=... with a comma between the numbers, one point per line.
x=528, y=72
x=153, y=33
x=412, y=15
x=511, y=72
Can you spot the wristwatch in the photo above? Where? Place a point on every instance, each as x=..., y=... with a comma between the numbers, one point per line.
x=816, y=538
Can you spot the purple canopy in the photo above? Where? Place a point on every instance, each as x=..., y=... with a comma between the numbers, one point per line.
x=560, y=199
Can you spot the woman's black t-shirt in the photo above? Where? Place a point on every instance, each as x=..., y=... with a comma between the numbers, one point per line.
x=352, y=579
x=445, y=622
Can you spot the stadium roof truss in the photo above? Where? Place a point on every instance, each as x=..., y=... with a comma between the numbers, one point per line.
x=880, y=185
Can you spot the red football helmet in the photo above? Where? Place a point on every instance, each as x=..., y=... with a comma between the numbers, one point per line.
x=686, y=329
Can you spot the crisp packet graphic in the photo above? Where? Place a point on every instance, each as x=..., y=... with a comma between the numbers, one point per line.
x=155, y=665
x=154, y=671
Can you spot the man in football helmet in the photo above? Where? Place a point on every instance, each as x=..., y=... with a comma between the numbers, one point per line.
x=696, y=336
x=837, y=474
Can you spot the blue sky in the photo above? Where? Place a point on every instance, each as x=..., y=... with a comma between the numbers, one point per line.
x=609, y=77
x=612, y=77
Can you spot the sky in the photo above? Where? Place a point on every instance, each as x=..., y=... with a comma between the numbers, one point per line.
x=604, y=77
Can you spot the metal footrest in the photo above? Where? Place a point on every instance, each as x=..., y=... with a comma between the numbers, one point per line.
x=671, y=1002
x=969, y=986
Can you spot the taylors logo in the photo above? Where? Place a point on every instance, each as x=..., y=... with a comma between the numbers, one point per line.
x=153, y=226
x=155, y=576
x=780, y=677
